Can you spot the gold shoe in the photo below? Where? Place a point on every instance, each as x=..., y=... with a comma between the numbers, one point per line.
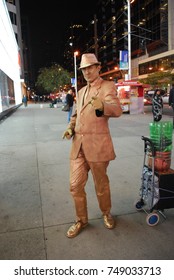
x=75, y=229
x=109, y=221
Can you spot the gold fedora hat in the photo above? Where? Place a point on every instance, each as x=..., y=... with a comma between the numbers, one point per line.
x=88, y=59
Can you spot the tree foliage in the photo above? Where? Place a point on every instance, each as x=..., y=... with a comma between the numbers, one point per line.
x=52, y=78
x=158, y=79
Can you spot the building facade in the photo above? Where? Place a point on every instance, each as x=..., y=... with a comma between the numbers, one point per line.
x=160, y=52
x=151, y=36
x=10, y=63
x=13, y=7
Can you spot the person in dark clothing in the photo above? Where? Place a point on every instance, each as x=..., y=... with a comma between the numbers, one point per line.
x=70, y=102
x=25, y=100
x=171, y=100
x=53, y=102
x=157, y=106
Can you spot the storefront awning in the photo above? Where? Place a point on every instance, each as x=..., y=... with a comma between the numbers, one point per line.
x=132, y=83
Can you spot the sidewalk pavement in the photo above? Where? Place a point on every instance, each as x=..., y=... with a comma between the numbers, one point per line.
x=36, y=208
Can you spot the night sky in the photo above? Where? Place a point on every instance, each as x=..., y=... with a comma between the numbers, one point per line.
x=48, y=23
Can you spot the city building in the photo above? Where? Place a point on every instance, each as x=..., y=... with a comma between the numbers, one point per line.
x=74, y=42
x=21, y=30
x=13, y=7
x=29, y=75
x=156, y=37
x=145, y=31
x=151, y=37
x=11, y=70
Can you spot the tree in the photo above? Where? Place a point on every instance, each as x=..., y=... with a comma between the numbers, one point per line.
x=159, y=79
x=52, y=78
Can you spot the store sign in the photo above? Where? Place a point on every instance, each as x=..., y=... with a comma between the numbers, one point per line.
x=73, y=80
x=123, y=61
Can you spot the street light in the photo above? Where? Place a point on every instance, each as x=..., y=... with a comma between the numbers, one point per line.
x=129, y=38
x=129, y=2
x=75, y=70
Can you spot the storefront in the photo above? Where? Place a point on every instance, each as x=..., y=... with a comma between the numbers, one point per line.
x=10, y=83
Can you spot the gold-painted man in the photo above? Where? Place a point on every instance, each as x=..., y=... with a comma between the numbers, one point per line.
x=92, y=146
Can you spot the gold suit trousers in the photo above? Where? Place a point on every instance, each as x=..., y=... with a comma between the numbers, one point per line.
x=79, y=169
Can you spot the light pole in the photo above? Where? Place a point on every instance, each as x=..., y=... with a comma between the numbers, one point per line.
x=75, y=70
x=129, y=38
x=95, y=36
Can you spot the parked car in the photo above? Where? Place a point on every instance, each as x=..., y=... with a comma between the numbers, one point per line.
x=165, y=98
x=148, y=97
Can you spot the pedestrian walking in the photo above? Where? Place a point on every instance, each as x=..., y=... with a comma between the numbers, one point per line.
x=25, y=100
x=70, y=102
x=157, y=106
x=92, y=148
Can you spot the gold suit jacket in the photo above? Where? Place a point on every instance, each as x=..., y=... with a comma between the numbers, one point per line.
x=92, y=132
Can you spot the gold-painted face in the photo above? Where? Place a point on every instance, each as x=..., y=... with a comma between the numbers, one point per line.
x=91, y=73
